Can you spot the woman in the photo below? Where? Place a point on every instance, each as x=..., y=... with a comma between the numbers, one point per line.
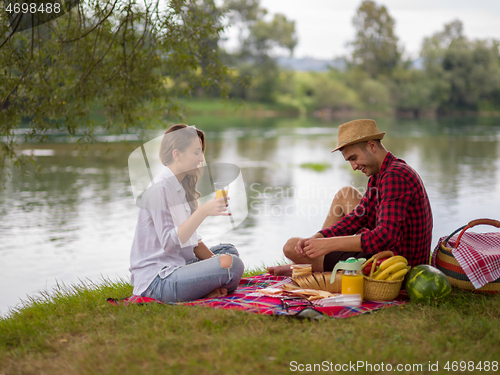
x=165, y=239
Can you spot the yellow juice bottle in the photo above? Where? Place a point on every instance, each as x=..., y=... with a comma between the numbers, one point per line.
x=352, y=283
x=352, y=278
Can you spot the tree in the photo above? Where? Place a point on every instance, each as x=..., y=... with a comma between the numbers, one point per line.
x=258, y=39
x=131, y=58
x=375, y=48
x=434, y=47
x=463, y=72
x=412, y=91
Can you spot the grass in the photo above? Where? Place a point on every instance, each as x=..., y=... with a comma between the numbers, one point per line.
x=318, y=167
x=215, y=106
x=72, y=330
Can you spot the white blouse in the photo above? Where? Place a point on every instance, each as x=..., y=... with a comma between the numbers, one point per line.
x=156, y=249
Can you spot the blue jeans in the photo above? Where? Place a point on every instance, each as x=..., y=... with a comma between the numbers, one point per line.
x=223, y=248
x=198, y=278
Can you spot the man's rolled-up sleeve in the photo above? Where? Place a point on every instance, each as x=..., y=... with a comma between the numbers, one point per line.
x=395, y=197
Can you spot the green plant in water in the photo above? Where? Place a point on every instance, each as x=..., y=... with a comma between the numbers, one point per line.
x=318, y=167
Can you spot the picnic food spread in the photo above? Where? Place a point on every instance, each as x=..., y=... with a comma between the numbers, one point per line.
x=424, y=283
x=382, y=283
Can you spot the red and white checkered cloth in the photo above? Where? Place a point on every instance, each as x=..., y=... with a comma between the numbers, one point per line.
x=478, y=254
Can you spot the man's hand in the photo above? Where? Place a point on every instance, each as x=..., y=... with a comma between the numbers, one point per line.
x=299, y=248
x=316, y=247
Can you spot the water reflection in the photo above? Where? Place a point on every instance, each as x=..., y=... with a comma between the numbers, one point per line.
x=78, y=218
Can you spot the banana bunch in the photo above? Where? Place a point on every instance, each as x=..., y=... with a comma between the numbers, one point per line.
x=391, y=269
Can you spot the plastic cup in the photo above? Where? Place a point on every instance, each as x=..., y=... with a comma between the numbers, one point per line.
x=221, y=189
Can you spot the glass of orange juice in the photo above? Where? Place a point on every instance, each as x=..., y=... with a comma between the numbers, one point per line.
x=221, y=190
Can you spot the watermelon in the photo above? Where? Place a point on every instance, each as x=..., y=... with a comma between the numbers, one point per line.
x=425, y=283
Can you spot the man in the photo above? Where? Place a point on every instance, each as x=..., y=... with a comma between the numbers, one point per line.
x=394, y=214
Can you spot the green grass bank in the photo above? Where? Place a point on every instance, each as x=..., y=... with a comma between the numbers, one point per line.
x=232, y=107
x=73, y=330
x=206, y=106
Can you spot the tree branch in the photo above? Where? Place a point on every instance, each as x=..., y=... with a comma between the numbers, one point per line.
x=86, y=74
x=93, y=28
x=10, y=35
x=17, y=84
x=126, y=58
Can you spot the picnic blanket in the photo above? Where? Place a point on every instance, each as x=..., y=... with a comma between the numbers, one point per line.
x=478, y=254
x=247, y=298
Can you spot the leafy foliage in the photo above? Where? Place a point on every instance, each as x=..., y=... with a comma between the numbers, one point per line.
x=465, y=72
x=258, y=40
x=414, y=91
x=375, y=48
x=131, y=58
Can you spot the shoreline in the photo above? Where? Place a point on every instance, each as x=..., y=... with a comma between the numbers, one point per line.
x=224, y=108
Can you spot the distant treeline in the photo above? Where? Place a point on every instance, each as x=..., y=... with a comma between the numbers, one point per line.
x=456, y=74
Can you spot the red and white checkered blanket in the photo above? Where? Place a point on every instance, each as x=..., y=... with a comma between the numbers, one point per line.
x=478, y=254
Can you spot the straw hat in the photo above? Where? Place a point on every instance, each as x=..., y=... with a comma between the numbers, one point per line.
x=357, y=131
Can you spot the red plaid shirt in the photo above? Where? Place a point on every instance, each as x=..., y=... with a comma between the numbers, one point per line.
x=394, y=214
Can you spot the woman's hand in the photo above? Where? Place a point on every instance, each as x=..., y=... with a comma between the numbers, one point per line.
x=213, y=207
x=202, y=252
x=216, y=207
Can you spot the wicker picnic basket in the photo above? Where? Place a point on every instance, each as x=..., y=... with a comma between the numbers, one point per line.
x=446, y=262
x=380, y=290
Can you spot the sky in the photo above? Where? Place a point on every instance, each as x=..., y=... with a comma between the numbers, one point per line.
x=325, y=26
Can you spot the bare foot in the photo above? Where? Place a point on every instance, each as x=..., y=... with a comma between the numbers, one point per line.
x=280, y=270
x=219, y=292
